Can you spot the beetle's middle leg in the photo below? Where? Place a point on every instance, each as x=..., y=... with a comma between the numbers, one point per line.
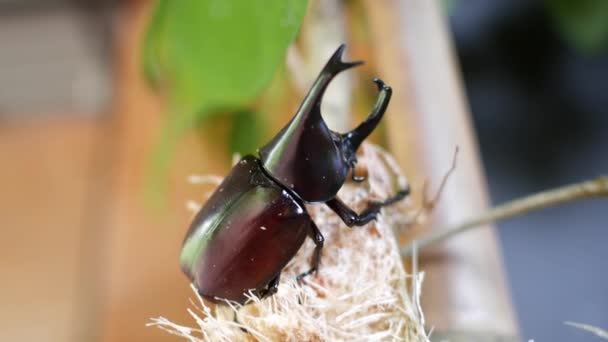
x=319, y=240
x=351, y=218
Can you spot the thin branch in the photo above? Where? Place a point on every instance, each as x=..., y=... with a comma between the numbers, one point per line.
x=584, y=190
x=428, y=205
x=598, y=331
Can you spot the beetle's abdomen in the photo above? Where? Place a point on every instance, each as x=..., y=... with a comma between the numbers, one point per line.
x=244, y=235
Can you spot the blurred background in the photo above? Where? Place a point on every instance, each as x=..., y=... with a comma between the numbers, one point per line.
x=538, y=98
x=107, y=106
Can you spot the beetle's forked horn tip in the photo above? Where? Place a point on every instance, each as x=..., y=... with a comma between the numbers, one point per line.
x=381, y=85
x=336, y=65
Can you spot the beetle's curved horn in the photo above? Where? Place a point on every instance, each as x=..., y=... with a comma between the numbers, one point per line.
x=305, y=152
x=334, y=66
x=355, y=137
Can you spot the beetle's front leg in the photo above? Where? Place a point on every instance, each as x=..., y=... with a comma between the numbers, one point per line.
x=351, y=218
x=319, y=240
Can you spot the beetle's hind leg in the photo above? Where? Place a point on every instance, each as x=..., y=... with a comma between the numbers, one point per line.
x=271, y=288
x=351, y=218
x=319, y=240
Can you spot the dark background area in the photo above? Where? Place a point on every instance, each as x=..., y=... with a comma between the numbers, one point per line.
x=540, y=108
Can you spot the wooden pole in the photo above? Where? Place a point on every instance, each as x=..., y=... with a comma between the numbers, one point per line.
x=464, y=296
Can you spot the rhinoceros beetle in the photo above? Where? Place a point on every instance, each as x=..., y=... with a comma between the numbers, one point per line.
x=255, y=221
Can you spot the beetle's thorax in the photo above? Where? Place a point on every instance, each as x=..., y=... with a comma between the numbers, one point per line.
x=306, y=156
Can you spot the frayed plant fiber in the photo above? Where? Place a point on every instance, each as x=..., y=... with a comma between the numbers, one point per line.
x=359, y=294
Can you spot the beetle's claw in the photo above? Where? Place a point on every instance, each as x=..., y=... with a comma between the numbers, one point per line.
x=266, y=292
x=300, y=277
x=373, y=209
x=401, y=194
x=270, y=291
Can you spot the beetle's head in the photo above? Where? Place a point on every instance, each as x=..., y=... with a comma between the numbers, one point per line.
x=306, y=156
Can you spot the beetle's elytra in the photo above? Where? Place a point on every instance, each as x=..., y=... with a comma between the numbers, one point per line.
x=255, y=222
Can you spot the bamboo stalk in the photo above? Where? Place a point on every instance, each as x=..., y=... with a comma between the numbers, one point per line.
x=464, y=296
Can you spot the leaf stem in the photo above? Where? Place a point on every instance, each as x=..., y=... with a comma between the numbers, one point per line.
x=597, y=187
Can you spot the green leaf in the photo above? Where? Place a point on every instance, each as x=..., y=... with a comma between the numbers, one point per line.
x=214, y=54
x=219, y=53
x=152, y=43
x=247, y=132
x=159, y=163
x=584, y=23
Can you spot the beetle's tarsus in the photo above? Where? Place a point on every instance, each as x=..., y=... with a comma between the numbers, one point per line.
x=301, y=277
x=401, y=194
x=272, y=287
x=351, y=218
x=319, y=241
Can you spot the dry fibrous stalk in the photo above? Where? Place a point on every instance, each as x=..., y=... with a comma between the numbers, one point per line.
x=359, y=294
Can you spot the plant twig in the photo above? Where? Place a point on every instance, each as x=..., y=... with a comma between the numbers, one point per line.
x=598, y=331
x=428, y=205
x=588, y=189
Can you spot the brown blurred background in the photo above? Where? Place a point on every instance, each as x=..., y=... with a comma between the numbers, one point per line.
x=84, y=257
x=81, y=256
